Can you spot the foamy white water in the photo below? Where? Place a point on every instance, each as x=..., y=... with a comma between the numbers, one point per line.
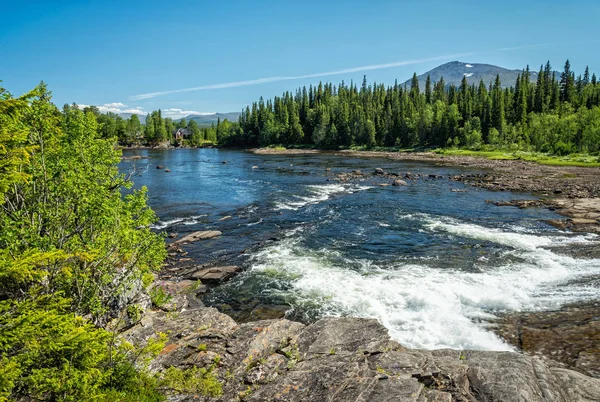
x=431, y=307
x=190, y=220
x=316, y=194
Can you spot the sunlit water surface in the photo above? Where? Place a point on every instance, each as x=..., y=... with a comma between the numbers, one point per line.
x=431, y=262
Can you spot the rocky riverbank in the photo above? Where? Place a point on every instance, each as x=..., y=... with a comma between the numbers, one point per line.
x=342, y=359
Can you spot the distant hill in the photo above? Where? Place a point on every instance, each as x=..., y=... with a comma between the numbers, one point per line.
x=142, y=117
x=208, y=119
x=454, y=71
x=203, y=120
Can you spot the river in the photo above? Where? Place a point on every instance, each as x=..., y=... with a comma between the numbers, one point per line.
x=432, y=261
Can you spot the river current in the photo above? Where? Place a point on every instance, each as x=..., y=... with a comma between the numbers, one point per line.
x=432, y=261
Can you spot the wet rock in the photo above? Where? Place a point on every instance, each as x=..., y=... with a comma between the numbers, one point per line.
x=254, y=167
x=224, y=162
x=522, y=204
x=225, y=218
x=399, y=183
x=379, y=171
x=173, y=235
x=262, y=312
x=569, y=336
x=583, y=221
x=201, y=235
x=160, y=167
x=458, y=190
x=215, y=275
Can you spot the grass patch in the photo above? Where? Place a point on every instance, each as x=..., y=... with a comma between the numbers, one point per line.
x=581, y=160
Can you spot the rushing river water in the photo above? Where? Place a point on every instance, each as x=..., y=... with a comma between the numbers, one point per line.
x=432, y=261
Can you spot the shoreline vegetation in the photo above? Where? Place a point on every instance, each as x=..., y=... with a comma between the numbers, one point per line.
x=578, y=160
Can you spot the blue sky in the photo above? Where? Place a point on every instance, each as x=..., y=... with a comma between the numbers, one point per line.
x=111, y=52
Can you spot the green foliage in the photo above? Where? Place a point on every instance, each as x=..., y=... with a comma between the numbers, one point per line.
x=194, y=380
x=159, y=296
x=75, y=247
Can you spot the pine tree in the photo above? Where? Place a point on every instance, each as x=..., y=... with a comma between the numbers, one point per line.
x=540, y=92
x=428, y=94
x=566, y=83
x=414, y=87
x=498, y=121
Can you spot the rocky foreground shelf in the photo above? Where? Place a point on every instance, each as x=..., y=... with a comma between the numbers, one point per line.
x=346, y=359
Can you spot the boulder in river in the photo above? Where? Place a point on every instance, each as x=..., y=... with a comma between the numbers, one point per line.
x=168, y=170
x=160, y=167
x=399, y=183
x=379, y=171
x=201, y=235
x=215, y=275
x=254, y=167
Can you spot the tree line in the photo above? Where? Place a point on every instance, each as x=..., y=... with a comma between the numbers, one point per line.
x=155, y=130
x=553, y=114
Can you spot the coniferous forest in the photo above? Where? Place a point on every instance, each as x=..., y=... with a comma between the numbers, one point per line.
x=557, y=115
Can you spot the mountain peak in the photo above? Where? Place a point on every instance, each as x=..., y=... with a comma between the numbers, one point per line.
x=454, y=71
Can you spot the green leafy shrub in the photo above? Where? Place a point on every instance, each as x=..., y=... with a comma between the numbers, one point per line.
x=159, y=296
x=192, y=380
x=75, y=247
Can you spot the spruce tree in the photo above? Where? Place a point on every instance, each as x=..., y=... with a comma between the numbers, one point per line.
x=498, y=121
x=566, y=83
x=428, y=90
x=540, y=92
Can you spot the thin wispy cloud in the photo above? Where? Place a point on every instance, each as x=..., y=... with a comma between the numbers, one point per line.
x=178, y=113
x=114, y=108
x=299, y=77
x=114, y=104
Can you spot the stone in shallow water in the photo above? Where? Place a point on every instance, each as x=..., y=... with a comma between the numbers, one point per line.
x=215, y=275
x=201, y=235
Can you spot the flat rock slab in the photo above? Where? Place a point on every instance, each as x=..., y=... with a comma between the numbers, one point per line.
x=201, y=235
x=347, y=359
x=215, y=275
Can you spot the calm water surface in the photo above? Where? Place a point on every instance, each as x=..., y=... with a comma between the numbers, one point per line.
x=431, y=264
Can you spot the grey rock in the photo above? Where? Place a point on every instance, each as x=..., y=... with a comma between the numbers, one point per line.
x=350, y=359
x=201, y=235
x=215, y=275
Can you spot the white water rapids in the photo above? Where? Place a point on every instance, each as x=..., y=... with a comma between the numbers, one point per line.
x=432, y=307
